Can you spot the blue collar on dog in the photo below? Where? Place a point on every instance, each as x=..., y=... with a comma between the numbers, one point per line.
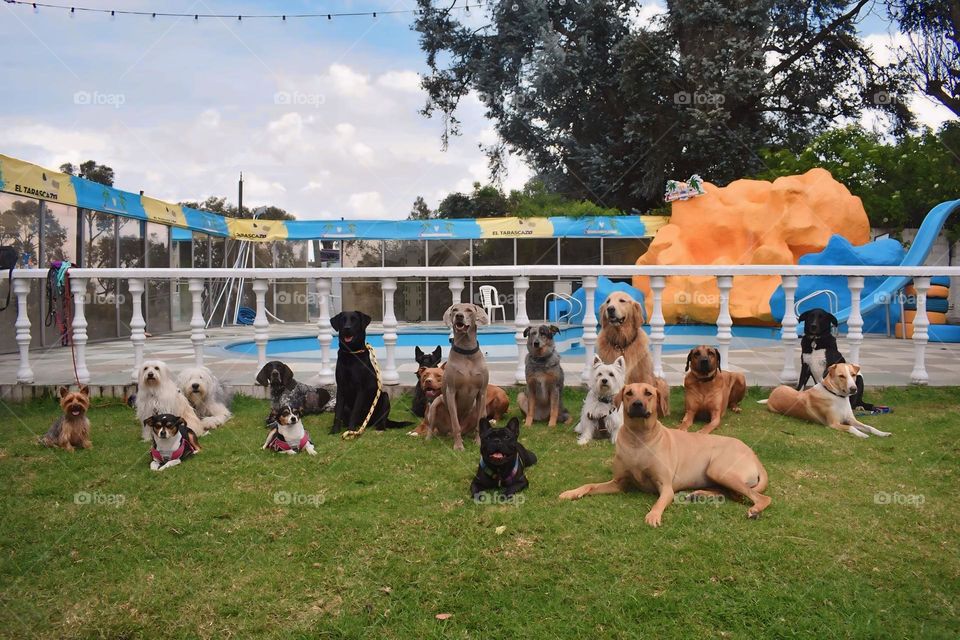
x=517, y=467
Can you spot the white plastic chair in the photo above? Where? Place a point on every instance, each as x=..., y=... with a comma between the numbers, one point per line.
x=490, y=301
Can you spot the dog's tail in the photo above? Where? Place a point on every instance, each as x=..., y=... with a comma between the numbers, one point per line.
x=393, y=424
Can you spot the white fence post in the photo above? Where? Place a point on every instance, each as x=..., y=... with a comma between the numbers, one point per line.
x=324, y=331
x=589, y=325
x=855, y=321
x=389, y=372
x=456, y=290
x=521, y=322
x=138, y=325
x=788, y=331
x=657, y=283
x=21, y=287
x=724, y=321
x=261, y=326
x=920, y=335
x=78, y=287
x=198, y=335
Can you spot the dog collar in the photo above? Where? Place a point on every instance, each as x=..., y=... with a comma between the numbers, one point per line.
x=494, y=475
x=831, y=391
x=279, y=444
x=465, y=352
x=605, y=399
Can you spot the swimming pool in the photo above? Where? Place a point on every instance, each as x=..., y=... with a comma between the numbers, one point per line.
x=498, y=342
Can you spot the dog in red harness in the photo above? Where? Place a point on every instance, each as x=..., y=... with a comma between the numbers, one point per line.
x=287, y=434
x=173, y=441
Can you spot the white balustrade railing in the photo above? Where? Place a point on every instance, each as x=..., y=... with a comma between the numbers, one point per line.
x=197, y=281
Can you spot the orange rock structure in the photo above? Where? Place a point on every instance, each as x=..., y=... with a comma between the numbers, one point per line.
x=748, y=222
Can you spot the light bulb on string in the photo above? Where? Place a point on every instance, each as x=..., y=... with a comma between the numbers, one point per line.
x=36, y=9
x=113, y=15
x=73, y=12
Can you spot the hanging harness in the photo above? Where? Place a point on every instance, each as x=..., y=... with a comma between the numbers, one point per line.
x=277, y=443
x=58, y=299
x=495, y=475
x=350, y=435
x=184, y=451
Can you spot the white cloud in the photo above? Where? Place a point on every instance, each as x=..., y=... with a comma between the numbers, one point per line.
x=368, y=204
x=348, y=82
x=408, y=81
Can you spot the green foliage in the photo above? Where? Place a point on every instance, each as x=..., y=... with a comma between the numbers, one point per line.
x=420, y=210
x=90, y=170
x=898, y=181
x=373, y=538
x=534, y=200
x=606, y=109
x=221, y=206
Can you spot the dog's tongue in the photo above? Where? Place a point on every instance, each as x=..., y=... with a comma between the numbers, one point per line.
x=496, y=456
x=74, y=412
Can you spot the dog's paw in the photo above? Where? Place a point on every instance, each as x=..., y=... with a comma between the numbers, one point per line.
x=653, y=519
x=752, y=514
x=458, y=446
x=735, y=409
x=883, y=434
x=572, y=494
x=583, y=441
x=154, y=466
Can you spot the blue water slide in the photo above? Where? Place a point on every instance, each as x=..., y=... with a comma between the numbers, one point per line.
x=916, y=256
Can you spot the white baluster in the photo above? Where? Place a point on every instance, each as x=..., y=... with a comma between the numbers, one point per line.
x=855, y=321
x=21, y=287
x=788, y=331
x=456, y=289
x=78, y=287
x=197, y=334
x=657, y=283
x=520, y=323
x=324, y=331
x=920, y=335
x=138, y=325
x=589, y=338
x=724, y=321
x=261, y=326
x=389, y=372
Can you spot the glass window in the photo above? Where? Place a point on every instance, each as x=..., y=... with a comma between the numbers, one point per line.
x=410, y=297
x=59, y=233
x=158, y=290
x=580, y=251
x=362, y=294
x=201, y=250
x=20, y=228
x=624, y=250
x=131, y=254
x=99, y=234
x=288, y=298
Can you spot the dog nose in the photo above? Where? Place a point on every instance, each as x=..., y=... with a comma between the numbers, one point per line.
x=536, y=344
x=603, y=380
x=611, y=311
x=196, y=386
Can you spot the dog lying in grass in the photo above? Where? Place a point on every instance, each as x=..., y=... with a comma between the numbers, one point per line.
x=287, y=434
x=173, y=441
x=503, y=461
x=72, y=429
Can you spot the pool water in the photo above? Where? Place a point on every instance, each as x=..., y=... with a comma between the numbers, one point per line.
x=499, y=342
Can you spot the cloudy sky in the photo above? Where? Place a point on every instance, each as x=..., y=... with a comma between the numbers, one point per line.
x=321, y=116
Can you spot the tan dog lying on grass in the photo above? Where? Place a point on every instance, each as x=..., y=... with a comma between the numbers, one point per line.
x=658, y=460
x=708, y=390
x=827, y=402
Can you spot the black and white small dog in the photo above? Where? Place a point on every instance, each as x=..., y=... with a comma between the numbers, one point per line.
x=502, y=461
x=425, y=361
x=173, y=441
x=287, y=434
x=818, y=352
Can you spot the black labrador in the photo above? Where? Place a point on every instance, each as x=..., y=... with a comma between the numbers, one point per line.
x=357, y=378
x=285, y=390
x=426, y=361
x=818, y=352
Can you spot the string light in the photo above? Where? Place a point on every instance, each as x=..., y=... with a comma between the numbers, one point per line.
x=196, y=16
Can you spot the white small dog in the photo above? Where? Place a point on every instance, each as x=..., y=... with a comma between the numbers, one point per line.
x=206, y=395
x=599, y=412
x=158, y=393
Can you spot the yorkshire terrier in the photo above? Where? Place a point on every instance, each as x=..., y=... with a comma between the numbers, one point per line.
x=72, y=429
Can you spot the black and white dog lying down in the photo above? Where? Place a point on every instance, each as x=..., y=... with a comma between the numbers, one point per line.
x=818, y=351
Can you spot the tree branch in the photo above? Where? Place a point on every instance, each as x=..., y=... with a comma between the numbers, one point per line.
x=817, y=39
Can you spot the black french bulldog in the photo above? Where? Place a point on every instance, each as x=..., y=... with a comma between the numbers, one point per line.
x=503, y=460
x=426, y=361
x=819, y=351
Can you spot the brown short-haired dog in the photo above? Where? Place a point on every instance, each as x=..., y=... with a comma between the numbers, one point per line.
x=709, y=390
x=658, y=460
x=431, y=382
x=72, y=429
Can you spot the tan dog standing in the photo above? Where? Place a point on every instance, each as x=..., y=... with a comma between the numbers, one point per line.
x=708, y=390
x=827, y=402
x=465, y=376
x=622, y=334
x=658, y=460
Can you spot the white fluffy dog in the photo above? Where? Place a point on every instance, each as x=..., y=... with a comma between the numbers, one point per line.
x=157, y=392
x=598, y=412
x=206, y=395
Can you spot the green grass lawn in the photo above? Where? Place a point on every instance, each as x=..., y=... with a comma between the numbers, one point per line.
x=374, y=538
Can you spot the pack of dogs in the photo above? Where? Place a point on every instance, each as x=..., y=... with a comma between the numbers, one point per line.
x=625, y=403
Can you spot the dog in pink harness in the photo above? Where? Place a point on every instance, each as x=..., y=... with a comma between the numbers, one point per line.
x=287, y=434
x=173, y=441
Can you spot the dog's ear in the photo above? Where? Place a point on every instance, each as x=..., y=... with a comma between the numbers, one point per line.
x=148, y=421
x=84, y=390
x=447, y=316
x=597, y=360
x=337, y=322
x=485, y=428
x=717, y=351
x=181, y=423
x=526, y=332
x=620, y=363
x=689, y=358
x=63, y=391
x=554, y=330
x=443, y=365
x=417, y=354
x=856, y=369
x=513, y=426
x=420, y=371
x=603, y=314
x=438, y=353
x=618, y=399
x=833, y=319
x=286, y=374
x=262, y=378
x=364, y=319
x=806, y=314
x=481, y=315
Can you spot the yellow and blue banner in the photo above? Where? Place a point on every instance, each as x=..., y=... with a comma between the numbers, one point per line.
x=29, y=180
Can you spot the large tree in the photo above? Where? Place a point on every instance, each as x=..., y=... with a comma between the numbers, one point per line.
x=90, y=170
x=606, y=108
x=932, y=54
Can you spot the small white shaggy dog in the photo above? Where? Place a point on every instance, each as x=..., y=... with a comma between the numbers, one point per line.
x=598, y=412
x=157, y=392
x=206, y=395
